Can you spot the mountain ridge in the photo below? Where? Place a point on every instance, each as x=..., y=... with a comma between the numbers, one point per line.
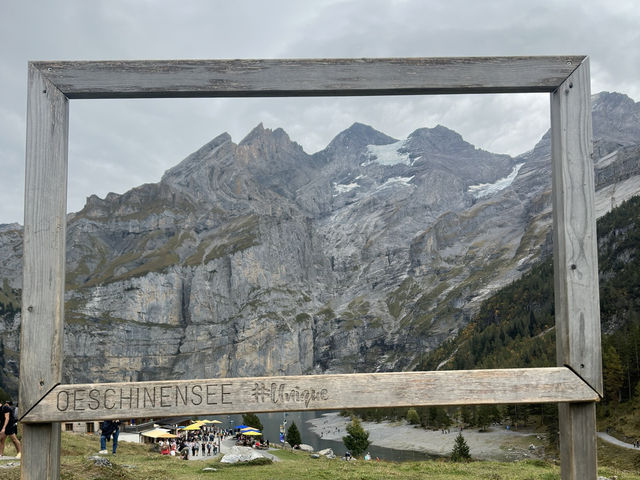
x=257, y=258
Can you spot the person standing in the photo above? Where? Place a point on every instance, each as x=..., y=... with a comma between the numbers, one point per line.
x=109, y=428
x=9, y=428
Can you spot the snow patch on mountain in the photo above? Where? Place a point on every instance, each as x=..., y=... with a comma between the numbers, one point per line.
x=393, y=181
x=483, y=190
x=344, y=188
x=387, y=154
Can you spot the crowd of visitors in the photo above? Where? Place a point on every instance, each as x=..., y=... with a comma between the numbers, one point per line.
x=201, y=443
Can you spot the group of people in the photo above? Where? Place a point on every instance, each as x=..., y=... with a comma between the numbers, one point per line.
x=203, y=443
x=246, y=441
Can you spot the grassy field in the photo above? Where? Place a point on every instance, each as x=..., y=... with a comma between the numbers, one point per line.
x=136, y=462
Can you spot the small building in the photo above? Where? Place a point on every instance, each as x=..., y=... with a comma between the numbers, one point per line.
x=81, y=427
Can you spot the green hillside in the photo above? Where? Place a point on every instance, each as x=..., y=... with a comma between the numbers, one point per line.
x=139, y=462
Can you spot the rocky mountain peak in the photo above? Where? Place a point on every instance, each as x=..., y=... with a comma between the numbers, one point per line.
x=616, y=118
x=7, y=227
x=438, y=139
x=616, y=124
x=357, y=137
x=261, y=138
x=195, y=161
x=263, y=143
x=612, y=102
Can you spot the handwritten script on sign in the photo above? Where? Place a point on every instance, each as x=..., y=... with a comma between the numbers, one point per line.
x=280, y=393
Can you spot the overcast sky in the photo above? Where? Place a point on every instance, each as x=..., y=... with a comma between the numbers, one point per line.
x=115, y=145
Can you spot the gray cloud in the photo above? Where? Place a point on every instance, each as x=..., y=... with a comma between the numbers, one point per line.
x=115, y=145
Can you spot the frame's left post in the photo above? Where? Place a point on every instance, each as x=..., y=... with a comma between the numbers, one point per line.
x=42, y=327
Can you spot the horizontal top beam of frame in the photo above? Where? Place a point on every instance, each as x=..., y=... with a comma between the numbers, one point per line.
x=309, y=392
x=307, y=77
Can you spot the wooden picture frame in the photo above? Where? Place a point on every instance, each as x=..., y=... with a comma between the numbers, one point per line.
x=576, y=384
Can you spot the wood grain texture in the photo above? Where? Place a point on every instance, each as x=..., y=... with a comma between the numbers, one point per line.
x=577, y=303
x=44, y=241
x=43, y=267
x=40, y=452
x=307, y=77
x=309, y=392
x=578, y=445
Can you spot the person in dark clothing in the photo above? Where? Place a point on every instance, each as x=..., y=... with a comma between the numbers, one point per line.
x=109, y=428
x=9, y=427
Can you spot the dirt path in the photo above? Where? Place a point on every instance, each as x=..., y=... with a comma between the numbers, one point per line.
x=614, y=441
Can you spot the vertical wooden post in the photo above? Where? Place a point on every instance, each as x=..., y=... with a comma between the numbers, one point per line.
x=575, y=254
x=43, y=269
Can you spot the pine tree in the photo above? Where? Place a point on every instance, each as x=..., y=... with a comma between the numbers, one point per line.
x=484, y=417
x=252, y=420
x=357, y=440
x=293, y=435
x=460, y=452
x=613, y=374
x=412, y=416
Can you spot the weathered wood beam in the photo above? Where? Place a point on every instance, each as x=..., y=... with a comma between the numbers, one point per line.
x=575, y=260
x=307, y=77
x=578, y=443
x=43, y=268
x=575, y=249
x=309, y=392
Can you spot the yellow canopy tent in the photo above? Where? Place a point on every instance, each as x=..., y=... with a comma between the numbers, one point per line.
x=195, y=426
x=157, y=433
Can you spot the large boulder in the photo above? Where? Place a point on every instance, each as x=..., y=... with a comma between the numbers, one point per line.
x=241, y=454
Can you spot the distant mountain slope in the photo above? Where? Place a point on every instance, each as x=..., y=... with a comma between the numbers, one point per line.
x=257, y=258
x=515, y=327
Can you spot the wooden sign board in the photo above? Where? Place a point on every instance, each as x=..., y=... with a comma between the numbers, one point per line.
x=309, y=392
x=577, y=379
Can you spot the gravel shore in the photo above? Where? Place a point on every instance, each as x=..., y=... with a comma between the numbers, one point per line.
x=496, y=444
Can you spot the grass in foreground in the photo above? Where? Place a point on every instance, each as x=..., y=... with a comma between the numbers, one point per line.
x=136, y=462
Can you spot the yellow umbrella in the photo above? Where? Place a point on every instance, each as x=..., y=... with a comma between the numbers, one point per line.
x=252, y=433
x=216, y=421
x=194, y=426
x=156, y=433
x=167, y=435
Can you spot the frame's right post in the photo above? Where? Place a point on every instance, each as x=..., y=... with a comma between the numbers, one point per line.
x=575, y=257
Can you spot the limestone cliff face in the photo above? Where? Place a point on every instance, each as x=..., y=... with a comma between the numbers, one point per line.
x=256, y=258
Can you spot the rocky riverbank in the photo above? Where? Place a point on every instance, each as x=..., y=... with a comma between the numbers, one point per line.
x=496, y=444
